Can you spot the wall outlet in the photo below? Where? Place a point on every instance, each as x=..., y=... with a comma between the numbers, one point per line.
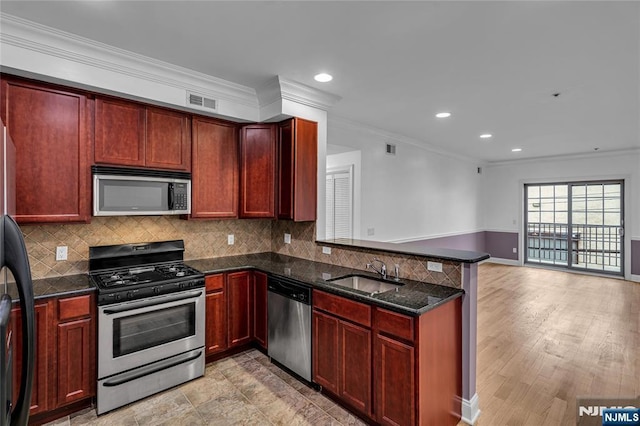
x=515, y=250
x=287, y=238
x=434, y=266
x=326, y=250
x=231, y=239
x=61, y=253
x=371, y=231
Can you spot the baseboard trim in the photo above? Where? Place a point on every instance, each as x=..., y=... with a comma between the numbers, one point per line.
x=502, y=261
x=634, y=278
x=470, y=410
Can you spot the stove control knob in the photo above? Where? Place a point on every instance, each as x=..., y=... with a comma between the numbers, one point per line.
x=181, y=285
x=118, y=297
x=129, y=295
x=156, y=290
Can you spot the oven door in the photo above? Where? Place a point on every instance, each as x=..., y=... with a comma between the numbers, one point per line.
x=136, y=333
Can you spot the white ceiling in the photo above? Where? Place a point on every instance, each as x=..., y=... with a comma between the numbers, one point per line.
x=494, y=65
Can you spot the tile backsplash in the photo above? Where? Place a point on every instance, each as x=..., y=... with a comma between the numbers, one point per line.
x=207, y=239
x=203, y=239
x=303, y=237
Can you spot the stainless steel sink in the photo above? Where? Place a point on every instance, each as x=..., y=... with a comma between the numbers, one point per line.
x=365, y=284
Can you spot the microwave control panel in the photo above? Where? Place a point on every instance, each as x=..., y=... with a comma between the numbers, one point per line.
x=180, y=196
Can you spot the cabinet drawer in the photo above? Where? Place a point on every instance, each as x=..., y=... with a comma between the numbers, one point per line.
x=74, y=307
x=393, y=323
x=214, y=282
x=345, y=308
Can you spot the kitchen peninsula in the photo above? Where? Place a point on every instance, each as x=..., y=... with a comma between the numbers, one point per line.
x=405, y=332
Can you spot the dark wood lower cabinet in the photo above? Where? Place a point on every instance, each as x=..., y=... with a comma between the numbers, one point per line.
x=215, y=314
x=216, y=326
x=65, y=367
x=240, y=314
x=325, y=351
x=391, y=368
x=76, y=363
x=260, y=331
x=394, y=381
x=42, y=378
x=342, y=352
x=354, y=385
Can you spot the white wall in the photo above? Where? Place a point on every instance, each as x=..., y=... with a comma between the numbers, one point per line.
x=416, y=194
x=504, y=184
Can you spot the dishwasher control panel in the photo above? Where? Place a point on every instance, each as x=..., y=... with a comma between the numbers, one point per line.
x=290, y=289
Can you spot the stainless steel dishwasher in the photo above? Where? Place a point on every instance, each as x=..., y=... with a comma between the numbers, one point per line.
x=289, y=319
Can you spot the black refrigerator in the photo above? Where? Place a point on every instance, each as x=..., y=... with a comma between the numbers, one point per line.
x=14, y=271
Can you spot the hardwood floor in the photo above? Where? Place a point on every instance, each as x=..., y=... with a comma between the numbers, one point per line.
x=546, y=337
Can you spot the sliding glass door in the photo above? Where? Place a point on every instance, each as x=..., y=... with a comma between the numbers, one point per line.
x=577, y=225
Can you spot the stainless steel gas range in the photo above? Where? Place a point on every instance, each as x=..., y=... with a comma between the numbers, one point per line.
x=151, y=318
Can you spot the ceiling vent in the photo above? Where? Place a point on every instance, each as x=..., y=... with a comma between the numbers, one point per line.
x=391, y=149
x=201, y=102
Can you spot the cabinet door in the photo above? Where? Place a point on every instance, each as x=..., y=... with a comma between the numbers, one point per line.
x=240, y=311
x=257, y=171
x=325, y=351
x=50, y=130
x=298, y=170
x=119, y=132
x=394, y=381
x=76, y=363
x=215, y=169
x=260, y=308
x=285, y=169
x=43, y=368
x=355, y=366
x=216, y=327
x=168, y=144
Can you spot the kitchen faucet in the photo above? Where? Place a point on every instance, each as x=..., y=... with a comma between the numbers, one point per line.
x=383, y=267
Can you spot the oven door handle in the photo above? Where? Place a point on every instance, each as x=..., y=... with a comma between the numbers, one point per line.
x=153, y=368
x=156, y=302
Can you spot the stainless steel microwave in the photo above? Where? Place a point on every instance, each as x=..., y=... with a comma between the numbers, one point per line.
x=120, y=191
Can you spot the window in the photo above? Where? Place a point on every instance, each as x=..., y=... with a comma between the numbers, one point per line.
x=339, y=203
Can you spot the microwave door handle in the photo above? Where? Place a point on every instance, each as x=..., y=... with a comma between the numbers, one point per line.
x=171, y=196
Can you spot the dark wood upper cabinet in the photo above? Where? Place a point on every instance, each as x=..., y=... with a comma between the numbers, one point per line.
x=132, y=134
x=168, y=140
x=50, y=128
x=215, y=169
x=120, y=132
x=257, y=171
x=298, y=170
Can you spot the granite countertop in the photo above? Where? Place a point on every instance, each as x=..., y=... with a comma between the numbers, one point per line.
x=413, y=298
x=70, y=285
x=463, y=256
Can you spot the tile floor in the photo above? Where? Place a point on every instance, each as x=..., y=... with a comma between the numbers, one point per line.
x=245, y=389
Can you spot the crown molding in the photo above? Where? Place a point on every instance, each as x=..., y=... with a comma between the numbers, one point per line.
x=49, y=41
x=581, y=156
x=347, y=124
x=306, y=95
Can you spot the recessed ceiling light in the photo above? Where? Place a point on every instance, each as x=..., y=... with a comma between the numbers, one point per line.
x=516, y=150
x=443, y=115
x=323, y=77
x=486, y=136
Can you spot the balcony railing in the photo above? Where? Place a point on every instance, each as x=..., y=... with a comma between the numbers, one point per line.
x=592, y=246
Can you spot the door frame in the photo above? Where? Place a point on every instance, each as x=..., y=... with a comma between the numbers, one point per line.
x=624, y=241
